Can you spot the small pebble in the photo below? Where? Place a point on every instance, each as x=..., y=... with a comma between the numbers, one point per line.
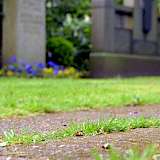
x=35, y=146
x=106, y=146
x=3, y=144
x=79, y=134
x=1, y=149
x=61, y=146
x=156, y=157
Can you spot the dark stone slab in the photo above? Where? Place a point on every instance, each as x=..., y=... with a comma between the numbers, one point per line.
x=123, y=38
x=123, y=10
x=144, y=47
x=110, y=65
x=159, y=44
x=159, y=26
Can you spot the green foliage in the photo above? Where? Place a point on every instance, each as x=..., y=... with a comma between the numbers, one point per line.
x=132, y=154
x=63, y=50
x=87, y=129
x=119, y=1
x=57, y=11
x=71, y=19
x=79, y=32
x=113, y=125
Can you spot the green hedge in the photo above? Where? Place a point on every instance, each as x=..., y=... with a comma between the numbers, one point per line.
x=62, y=50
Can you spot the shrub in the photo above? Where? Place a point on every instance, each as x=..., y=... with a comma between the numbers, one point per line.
x=119, y=2
x=62, y=50
x=71, y=20
x=79, y=31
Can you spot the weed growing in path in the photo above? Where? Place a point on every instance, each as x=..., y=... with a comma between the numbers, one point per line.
x=133, y=154
x=86, y=129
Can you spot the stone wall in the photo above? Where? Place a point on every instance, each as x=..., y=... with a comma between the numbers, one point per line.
x=158, y=36
x=119, y=41
x=9, y=29
x=123, y=30
x=118, y=29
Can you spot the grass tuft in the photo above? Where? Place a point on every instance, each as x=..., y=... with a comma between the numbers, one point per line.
x=149, y=153
x=88, y=129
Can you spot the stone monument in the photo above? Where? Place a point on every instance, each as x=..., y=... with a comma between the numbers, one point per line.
x=125, y=38
x=24, y=34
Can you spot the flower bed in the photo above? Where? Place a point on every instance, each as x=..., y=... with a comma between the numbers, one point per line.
x=52, y=70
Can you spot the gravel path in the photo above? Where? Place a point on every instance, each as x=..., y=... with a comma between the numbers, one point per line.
x=51, y=122
x=78, y=148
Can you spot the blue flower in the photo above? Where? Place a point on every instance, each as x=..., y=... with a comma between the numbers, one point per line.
x=56, y=71
x=34, y=73
x=53, y=65
x=28, y=68
x=12, y=68
x=19, y=70
x=40, y=66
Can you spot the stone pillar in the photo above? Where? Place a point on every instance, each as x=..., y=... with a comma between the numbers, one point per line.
x=138, y=9
x=103, y=20
x=144, y=43
x=24, y=33
x=152, y=36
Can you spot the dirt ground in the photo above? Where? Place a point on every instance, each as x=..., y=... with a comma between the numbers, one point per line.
x=77, y=147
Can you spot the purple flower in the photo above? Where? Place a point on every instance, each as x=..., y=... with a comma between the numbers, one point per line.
x=135, y=113
x=56, y=71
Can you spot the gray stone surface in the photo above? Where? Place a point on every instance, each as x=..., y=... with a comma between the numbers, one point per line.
x=102, y=18
x=125, y=22
x=111, y=65
x=159, y=44
x=129, y=3
x=153, y=34
x=24, y=30
x=137, y=30
x=9, y=29
x=123, y=40
x=144, y=47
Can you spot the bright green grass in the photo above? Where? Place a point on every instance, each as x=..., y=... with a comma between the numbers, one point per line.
x=30, y=96
x=87, y=128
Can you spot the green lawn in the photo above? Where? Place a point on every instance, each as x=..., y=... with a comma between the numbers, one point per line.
x=27, y=96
